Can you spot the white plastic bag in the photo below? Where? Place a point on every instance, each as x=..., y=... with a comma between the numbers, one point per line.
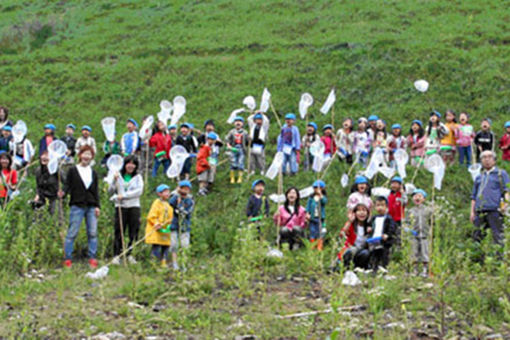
x=350, y=279
x=421, y=85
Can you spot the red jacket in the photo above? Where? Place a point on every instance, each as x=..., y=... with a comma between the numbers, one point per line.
x=162, y=142
x=329, y=144
x=203, y=154
x=350, y=234
x=395, y=208
x=505, y=142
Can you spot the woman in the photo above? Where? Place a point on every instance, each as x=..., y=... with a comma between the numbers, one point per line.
x=4, y=117
x=82, y=185
x=47, y=185
x=9, y=177
x=127, y=188
x=290, y=218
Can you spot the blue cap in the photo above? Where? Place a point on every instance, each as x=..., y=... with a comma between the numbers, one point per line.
x=212, y=135
x=239, y=119
x=290, y=116
x=435, y=112
x=186, y=125
x=258, y=116
x=50, y=126
x=361, y=180
x=488, y=120
x=7, y=128
x=86, y=127
x=191, y=125
x=319, y=184
x=72, y=126
x=507, y=125
x=372, y=118
x=420, y=191
x=256, y=182
x=131, y=120
x=172, y=126
x=396, y=126
x=327, y=126
x=185, y=184
x=161, y=188
x=397, y=179
x=312, y=124
x=417, y=121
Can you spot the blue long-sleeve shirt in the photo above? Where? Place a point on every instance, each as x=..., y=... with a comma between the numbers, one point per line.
x=489, y=188
x=182, y=212
x=129, y=143
x=289, y=136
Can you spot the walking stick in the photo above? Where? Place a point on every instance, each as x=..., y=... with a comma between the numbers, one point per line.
x=121, y=224
x=280, y=190
x=147, y=163
x=275, y=114
x=432, y=222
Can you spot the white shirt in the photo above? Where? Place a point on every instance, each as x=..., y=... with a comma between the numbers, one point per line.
x=360, y=236
x=379, y=225
x=85, y=173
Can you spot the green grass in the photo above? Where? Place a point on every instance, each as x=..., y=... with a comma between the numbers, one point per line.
x=79, y=61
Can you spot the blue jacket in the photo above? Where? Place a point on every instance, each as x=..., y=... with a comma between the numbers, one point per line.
x=42, y=145
x=129, y=143
x=289, y=136
x=311, y=206
x=489, y=188
x=5, y=143
x=182, y=213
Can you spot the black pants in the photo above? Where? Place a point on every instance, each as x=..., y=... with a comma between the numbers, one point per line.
x=131, y=224
x=291, y=236
x=357, y=257
x=489, y=220
x=379, y=256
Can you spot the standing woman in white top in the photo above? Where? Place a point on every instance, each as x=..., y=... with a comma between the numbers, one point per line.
x=127, y=188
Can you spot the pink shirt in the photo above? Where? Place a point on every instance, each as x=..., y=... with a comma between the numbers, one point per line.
x=464, y=134
x=288, y=220
x=329, y=145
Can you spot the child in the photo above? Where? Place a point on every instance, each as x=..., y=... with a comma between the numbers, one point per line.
x=289, y=142
x=172, y=131
x=419, y=219
x=504, y=142
x=160, y=215
x=259, y=127
x=484, y=139
x=362, y=141
x=49, y=136
x=183, y=205
x=85, y=139
x=435, y=132
x=70, y=142
x=291, y=219
x=381, y=236
x=448, y=144
x=380, y=134
x=237, y=141
x=395, y=142
x=187, y=141
x=4, y=117
x=464, y=136
x=6, y=139
x=130, y=142
x=416, y=142
x=310, y=137
x=109, y=149
x=205, y=170
x=372, y=126
x=355, y=231
x=397, y=201
x=161, y=142
x=9, y=177
x=22, y=152
x=47, y=185
x=360, y=193
x=345, y=140
x=316, y=213
x=329, y=141
x=258, y=205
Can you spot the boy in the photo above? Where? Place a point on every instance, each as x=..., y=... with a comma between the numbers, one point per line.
x=310, y=137
x=289, y=142
x=187, y=141
x=237, y=141
x=372, y=126
x=258, y=205
x=183, y=205
x=49, y=136
x=504, y=142
x=259, y=127
x=6, y=139
x=85, y=139
x=70, y=141
x=130, y=142
x=205, y=165
x=397, y=201
x=382, y=235
x=172, y=131
x=419, y=218
x=159, y=217
x=485, y=138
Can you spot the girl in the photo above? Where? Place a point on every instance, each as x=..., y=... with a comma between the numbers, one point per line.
x=362, y=141
x=380, y=135
x=360, y=193
x=464, y=136
x=355, y=231
x=9, y=177
x=448, y=143
x=161, y=142
x=435, y=132
x=345, y=140
x=310, y=137
x=504, y=142
x=127, y=188
x=291, y=219
x=4, y=117
x=328, y=140
x=395, y=142
x=316, y=213
x=416, y=142
x=49, y=136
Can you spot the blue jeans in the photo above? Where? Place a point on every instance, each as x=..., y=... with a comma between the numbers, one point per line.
x=290, y=159
x=315, y=229
x=157, y=163
x=464, y=151
x=237, y=160
x=75, y=218
x=160, y=252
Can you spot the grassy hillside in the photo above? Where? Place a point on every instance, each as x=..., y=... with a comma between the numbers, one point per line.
x=79, y=61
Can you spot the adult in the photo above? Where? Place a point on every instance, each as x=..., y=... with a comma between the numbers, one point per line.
x=127, y=188
x=83, y=188
x=4, y=117
x=46, y=185
x=291, y=219
x=489, y=198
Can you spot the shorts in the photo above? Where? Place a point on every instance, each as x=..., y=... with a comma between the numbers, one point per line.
x=206, y=176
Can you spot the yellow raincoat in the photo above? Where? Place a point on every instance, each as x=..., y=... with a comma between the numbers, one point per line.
x=161, y=212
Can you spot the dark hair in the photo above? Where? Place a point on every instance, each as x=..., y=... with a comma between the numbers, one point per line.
x=354, y=188
x=366, y=223
x=464, y=113
x=6, y=111
x=421, y=131
x=296, y=204
x=382, y=199
x=453, y=113
x=9, y=158
x=130, y=159
x=352, y=122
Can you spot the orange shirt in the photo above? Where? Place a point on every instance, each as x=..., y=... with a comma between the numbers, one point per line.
x=449, y=139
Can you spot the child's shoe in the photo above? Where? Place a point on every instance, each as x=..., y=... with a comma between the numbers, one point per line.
x=320, y=244
x=240, y=178
x=116, y=261
x=175, y=266
x=424, y=272
x=163, y=263
x=132, y=260
x=93, y=263
x=232, y=177
x=68, y=263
